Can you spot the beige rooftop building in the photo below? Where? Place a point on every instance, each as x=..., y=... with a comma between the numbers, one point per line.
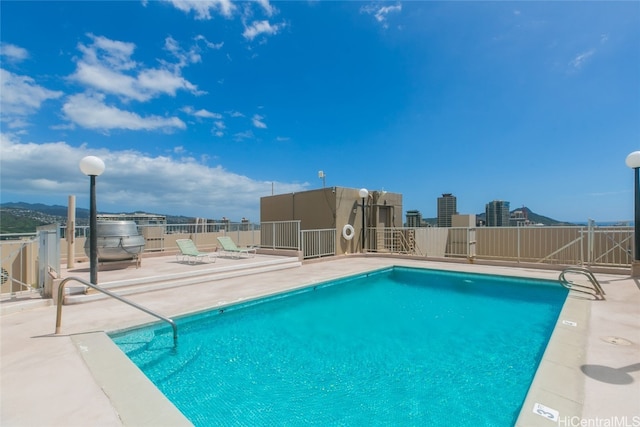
x=336, y=208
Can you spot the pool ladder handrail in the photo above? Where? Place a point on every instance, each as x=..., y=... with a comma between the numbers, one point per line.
x=111, y=294
x=595, y=290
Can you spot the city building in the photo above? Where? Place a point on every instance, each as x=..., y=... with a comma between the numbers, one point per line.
x=519, y=218
x=497, y=213
x=447, y=207
x=139, y=218
x=414, y=219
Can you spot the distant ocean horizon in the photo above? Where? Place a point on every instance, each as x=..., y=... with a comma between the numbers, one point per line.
x=609, y=223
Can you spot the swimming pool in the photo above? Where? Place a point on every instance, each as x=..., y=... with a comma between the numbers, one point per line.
x=399, y=346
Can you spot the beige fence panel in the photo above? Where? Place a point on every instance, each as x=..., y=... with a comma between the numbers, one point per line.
x=19, y=272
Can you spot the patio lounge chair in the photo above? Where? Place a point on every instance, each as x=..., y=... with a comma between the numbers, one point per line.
x=190, y=253
x=228, y=245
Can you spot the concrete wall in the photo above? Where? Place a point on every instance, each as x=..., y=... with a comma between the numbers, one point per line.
x=348, y=211
x=314, y=209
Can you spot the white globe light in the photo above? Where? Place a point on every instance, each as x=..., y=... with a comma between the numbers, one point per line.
x=92, y=166
x=633, y=160
x=363, y=193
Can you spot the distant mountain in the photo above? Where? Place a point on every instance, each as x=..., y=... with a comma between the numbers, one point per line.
x=23, y=217
x=26, y=217
x=11, y=223
x=55, y=210
x=533, y=217
x=540, y=219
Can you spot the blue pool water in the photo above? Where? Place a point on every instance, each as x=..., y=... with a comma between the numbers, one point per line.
x=395, y=347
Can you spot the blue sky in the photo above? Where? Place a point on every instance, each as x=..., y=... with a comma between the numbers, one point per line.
x=200, y=108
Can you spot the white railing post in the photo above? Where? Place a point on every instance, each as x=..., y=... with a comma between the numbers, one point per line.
x=590, y=240
x=273, y=235
x=518, y=244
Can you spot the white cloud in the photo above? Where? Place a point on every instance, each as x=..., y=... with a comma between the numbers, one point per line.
x=207, y=43
x=185, y=57
x=241, y=136
x=203, y=114
x=106, y=65
x=581, y=58
x=13, y=53
x=21, y=96
x=258, y=122
x=261, y=27
x=104, y=79
x=380, y=12
x=158, y=81
x=115, y=54
x=203, y=8
x=132, y=181
x=90, y=111
x=269, y=10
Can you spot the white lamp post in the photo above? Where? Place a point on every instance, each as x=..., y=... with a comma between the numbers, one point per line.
x=92, y=166
x=364, y=193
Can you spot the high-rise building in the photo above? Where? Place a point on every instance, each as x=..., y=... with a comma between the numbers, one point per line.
x=446, y=208
x=414, y=218
x=497, y=213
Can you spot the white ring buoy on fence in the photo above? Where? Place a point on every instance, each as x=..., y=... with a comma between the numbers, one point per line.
x=348, y=232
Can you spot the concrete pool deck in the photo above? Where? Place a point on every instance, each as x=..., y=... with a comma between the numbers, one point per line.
x=590, y=370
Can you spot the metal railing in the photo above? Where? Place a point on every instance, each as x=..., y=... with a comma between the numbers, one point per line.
x=593, y=246
x=161, y=237
x=393, y=240
x=595, y=290
x=577, y=245
x=280, y=235
x=208, y=227
x=111, y=294
x=23, y=269
x=318, y=243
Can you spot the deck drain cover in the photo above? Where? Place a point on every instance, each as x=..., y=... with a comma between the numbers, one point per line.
x=616, y=340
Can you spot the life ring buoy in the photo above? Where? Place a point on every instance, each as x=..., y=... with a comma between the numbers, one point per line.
x=348, y=232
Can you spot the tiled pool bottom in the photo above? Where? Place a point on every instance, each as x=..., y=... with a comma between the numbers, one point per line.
x=402, y=346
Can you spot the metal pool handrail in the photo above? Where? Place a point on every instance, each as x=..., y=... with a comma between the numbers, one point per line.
x=111, y=294
x=595, y=290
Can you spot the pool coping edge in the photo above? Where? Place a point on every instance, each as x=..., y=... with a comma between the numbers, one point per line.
x=558, y=388
x=120, y=379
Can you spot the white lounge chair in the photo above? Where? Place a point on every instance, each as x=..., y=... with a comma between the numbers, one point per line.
x=190, y=253
x=229, y=246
